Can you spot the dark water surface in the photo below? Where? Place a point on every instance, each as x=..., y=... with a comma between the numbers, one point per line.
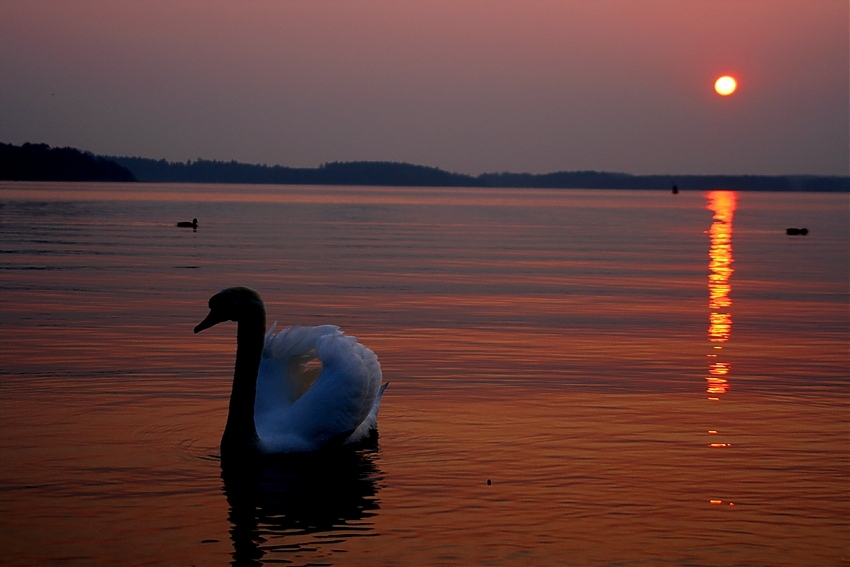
x=645, y=379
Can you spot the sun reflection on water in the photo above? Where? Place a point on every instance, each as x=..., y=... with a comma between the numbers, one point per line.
x=722, y=203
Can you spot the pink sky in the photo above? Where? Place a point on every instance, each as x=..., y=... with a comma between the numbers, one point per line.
x=468, y=86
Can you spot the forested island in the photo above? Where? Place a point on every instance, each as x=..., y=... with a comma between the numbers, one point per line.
x=42, y=163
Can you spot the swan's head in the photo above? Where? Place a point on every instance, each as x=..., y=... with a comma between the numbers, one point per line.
x=233, y=304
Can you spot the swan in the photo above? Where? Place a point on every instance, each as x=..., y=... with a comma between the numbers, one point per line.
x=297, y=391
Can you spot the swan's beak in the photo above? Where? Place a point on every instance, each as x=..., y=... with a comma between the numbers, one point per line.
x=213, y=318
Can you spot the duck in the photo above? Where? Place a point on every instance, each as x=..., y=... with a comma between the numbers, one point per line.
x=186, y=224
x=796, y=231
x=301, y=390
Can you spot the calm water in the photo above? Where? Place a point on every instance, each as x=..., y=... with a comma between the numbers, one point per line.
x=645, y=379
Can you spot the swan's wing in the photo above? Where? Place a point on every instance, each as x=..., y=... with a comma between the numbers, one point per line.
x=371, y=422
x=341, y=399
x=288, y=367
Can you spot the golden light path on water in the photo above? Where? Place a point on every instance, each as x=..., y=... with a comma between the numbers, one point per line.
x=722, y=204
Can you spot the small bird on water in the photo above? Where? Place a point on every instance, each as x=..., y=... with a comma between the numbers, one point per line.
x=186, y=224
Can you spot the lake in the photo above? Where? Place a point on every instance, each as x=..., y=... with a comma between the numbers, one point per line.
x=576, y=377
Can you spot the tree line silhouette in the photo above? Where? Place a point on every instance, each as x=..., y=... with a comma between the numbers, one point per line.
x=40, y=162
x=408, y=175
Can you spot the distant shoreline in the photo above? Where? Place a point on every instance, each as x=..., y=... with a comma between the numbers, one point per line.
x=39, y=162
x=396, y=174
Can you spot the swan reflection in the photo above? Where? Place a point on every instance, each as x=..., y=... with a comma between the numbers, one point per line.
x=722, y=204
x=290, y=509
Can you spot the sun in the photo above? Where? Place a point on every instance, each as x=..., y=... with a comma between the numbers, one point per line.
x=725, y=85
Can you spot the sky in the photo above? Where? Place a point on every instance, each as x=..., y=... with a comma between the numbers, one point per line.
x=469, y=86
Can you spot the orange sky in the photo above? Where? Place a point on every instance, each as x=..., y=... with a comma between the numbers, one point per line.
x=469, y=86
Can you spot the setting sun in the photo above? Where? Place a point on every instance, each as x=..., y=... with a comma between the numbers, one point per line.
x=725, y=85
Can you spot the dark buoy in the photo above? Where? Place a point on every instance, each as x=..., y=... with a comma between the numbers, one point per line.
x=489, y=482
x=185, y=224
x=797, y=231
x=675, y=189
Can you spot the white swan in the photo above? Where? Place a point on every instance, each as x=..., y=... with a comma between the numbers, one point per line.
x=301, y=390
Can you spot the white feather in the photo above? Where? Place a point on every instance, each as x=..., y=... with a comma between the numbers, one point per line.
x=315, y=385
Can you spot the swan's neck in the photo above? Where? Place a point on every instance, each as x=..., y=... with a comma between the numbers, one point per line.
x=240, y=433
